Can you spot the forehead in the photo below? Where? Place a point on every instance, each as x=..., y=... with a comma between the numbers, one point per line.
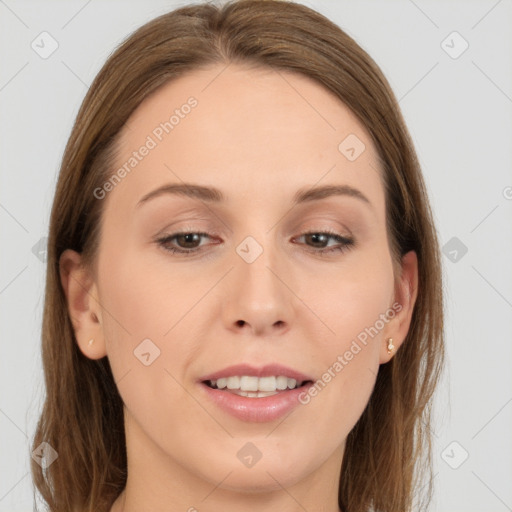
x=248, y=131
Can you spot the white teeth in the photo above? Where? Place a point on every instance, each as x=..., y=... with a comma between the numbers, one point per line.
x=267, y=384
x=282, y=383
x=253, y=385
x=292, y=383
x=234, y=383
x=249, y=383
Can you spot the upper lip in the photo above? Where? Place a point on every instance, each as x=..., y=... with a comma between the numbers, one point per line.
x=268, y=370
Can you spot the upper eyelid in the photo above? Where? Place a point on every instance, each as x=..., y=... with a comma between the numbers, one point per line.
x=197, y=214
x=196, y=229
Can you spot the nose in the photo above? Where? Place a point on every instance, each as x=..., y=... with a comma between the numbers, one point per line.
x=257, y=297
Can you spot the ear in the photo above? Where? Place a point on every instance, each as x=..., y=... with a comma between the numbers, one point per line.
x=406, y=292
x=83, y=305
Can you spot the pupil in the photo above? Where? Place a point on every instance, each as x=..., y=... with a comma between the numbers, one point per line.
x=188, y=237
x=316, y=237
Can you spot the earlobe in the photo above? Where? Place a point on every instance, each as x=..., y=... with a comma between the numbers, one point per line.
x=406, y=292
x=83, y=306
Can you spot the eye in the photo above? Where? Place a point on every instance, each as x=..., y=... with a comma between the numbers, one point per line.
x=323, y=237
x=188, y=238
x=188, y=242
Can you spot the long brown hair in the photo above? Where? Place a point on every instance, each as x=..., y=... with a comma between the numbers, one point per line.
x=388, y=453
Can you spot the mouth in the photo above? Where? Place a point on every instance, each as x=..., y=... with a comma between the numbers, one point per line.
x=255, y=394
x=251, y=386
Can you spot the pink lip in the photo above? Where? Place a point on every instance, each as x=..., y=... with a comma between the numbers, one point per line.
x=256, y=409
x=265, y=371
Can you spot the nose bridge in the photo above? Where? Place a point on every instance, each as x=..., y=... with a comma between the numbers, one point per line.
x=258, y=261
x=259, y=248
x=257, y=294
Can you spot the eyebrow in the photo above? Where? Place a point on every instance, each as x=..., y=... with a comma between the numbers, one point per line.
x=214, y=195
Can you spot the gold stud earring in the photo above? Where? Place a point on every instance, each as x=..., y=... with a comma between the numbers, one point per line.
x=390, y=345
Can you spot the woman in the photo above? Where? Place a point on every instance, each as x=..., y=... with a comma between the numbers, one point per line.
x=244, y=298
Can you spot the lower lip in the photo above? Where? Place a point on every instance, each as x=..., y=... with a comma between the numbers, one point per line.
x=257, y=410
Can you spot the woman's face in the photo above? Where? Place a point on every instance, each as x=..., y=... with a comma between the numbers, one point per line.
x=255, y=288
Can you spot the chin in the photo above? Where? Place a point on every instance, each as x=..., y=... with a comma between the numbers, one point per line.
x=267, y=474
x=263, y=480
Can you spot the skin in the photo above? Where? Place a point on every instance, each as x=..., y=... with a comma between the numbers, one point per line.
x=259, y=136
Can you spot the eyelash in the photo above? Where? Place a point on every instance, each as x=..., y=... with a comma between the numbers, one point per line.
x=347, y=243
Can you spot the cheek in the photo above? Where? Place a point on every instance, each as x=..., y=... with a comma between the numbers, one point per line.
x=353, y=299
x=141, y=320
x=141, y=299
x=348, y=359
x=138, y=310
x=355, y=306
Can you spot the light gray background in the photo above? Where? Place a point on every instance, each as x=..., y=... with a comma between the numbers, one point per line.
x=459, y=113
